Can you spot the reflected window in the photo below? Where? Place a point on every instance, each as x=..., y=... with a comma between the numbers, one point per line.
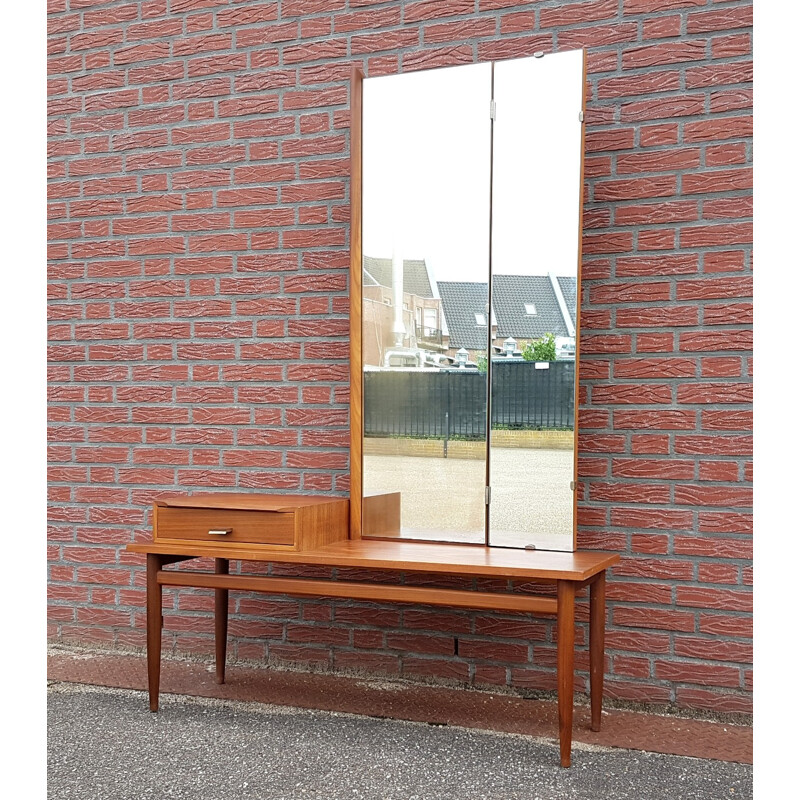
x=480, y=319
x=530, y=309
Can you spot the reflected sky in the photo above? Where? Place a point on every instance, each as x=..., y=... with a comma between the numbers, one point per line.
x=426, y=151
x=427, y=158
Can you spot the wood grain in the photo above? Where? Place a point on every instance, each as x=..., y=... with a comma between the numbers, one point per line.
x=565, y=667
x=434, y=558
x=321, y=524
x=576, y=401
x=154, y=625
x=253, y=501
x=221, y=567
x=381, y=514
x=356, y=266
x=452, y=598
x=251, y=527
x=597, y=645
x=287, y=522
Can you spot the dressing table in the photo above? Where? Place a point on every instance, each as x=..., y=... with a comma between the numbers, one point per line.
x=447, y=256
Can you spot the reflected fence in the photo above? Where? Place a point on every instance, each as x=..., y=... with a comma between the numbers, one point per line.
x=451, y=404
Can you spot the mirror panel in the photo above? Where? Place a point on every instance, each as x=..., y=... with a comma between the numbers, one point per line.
x=425, y=242
x=536, y=229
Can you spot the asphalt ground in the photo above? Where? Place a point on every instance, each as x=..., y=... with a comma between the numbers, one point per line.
x=103, y=743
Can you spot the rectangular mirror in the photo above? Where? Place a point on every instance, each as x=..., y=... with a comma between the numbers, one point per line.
x=465, y=281
x=536, y=236
x=425, y=205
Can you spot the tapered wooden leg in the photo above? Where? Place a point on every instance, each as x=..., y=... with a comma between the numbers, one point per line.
x=566, y=667
x=597, y=643
x=154, y=625
x=221, y=619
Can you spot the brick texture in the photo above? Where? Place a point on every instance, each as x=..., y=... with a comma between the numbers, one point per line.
x=198, y=234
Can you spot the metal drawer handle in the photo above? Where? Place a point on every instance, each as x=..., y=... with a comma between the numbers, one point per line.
x=220, y=532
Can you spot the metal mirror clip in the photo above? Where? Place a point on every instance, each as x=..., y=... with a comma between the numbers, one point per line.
x=220, y=532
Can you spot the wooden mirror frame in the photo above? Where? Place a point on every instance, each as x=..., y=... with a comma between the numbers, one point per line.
x=356, y=313
x=356, y=258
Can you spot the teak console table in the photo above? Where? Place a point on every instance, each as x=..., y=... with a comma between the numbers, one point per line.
x=313, y=530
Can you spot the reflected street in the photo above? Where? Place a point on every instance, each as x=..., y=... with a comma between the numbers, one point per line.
x=532, y=478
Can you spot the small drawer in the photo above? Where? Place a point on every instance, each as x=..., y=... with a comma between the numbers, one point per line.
x=251, y=527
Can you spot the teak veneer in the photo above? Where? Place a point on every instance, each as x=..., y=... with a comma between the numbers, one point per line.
x=570, y=572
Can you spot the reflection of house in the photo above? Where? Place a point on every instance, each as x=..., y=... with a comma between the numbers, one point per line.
x=421, y=313
x=465, y=310
x=524, y=308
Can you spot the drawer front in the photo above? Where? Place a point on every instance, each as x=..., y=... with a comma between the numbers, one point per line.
x=262, y=527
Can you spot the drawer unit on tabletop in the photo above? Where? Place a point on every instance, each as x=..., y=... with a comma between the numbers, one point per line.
x=231, y=521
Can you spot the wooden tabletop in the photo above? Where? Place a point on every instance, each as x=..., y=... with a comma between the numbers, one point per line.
x=247, y=502
x=432, y=557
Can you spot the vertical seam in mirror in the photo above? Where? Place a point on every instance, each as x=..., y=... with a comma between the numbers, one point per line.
x=487, y=490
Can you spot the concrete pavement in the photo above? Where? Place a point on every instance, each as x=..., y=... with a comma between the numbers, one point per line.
x=531, y=495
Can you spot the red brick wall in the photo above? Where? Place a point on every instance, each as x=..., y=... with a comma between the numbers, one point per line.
x=198, y=316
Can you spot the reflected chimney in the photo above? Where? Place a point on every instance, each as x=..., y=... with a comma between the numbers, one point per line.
x=398, y=328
